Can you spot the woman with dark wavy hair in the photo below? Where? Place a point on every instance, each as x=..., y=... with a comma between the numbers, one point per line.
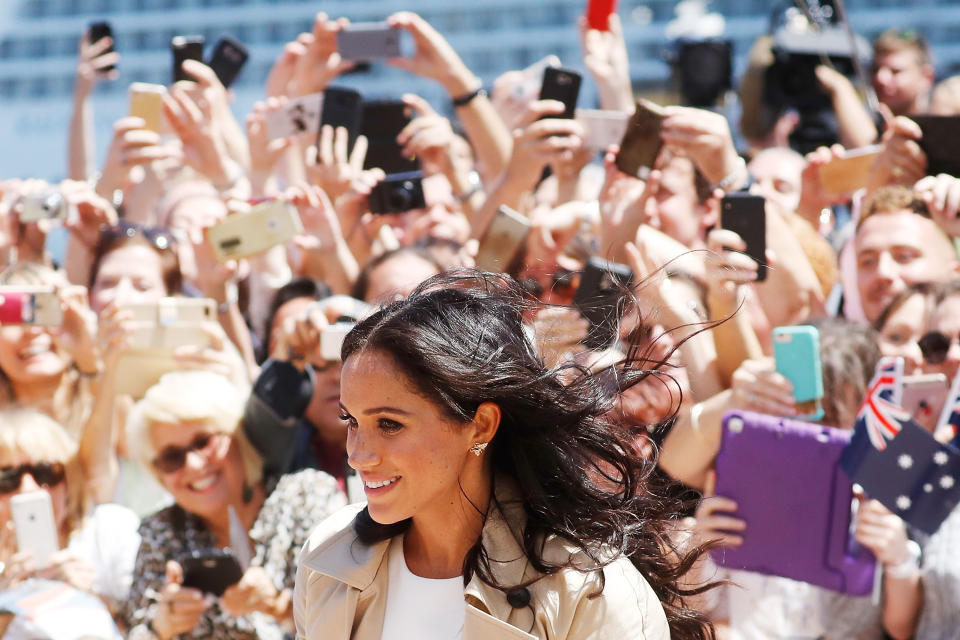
x=504, y=499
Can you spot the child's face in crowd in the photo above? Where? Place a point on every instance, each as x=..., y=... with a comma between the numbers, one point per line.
x=904, y=326
x=674, y=208
x=131, y=274
x=895, y=250
x=946, y=319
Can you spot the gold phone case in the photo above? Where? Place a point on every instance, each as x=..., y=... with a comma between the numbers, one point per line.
x=242, y=235
x=146, y=101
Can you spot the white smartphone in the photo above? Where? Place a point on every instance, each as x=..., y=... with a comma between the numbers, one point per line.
x=602, y=128
x=35, y=525
x=331, y=340
x=300, y=115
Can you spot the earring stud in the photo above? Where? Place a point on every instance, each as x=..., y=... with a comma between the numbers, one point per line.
x=478, y=448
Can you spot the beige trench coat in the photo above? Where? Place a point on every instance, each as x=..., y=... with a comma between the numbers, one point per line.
x=341, y=591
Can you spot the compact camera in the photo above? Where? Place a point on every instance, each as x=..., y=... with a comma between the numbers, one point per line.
x=399, y=192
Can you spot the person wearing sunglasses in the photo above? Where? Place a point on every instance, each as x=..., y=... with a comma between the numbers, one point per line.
x=940, y=343
x=185, y=431
x=98, y=544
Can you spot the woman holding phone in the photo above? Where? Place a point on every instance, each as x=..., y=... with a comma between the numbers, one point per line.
x=505, y=500
x=186, y=431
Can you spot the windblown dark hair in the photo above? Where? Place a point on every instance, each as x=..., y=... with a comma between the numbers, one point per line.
x=460, y=339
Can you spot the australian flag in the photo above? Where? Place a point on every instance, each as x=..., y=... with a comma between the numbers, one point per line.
x=880, y=414
x=898, y=462
x=950, y=416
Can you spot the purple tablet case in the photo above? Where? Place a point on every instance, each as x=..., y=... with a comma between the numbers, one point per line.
x=784, y=476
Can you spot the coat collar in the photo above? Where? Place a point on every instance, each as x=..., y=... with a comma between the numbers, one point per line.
x=343, y=557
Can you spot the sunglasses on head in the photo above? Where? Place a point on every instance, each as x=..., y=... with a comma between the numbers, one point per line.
x=159, y=237
x=934, y=346
x=47, y=474
x=172, y=459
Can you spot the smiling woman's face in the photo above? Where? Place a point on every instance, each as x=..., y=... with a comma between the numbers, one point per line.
x=30, y=354
x=210, y=477
x=408, y=452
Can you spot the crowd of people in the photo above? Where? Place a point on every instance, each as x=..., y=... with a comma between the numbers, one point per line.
x=514, y=482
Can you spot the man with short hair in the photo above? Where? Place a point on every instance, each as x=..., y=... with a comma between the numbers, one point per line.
x=902, y=71
x=898, y=244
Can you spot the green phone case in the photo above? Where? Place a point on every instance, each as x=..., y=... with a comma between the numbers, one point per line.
x=796, y=350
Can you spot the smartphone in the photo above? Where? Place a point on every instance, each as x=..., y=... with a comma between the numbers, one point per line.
x=34, y=525
x=923, y=396
x=266, y=225
x=745, y=214
x=158, y=328
x=285, y=388
x=342, y=107
x=146, y=101
x=600, y=297
x=369, y=41
x=229, y=56
x=843, y=176
x=98, y=31
x=331, y=340
x=796, y=350
x=300, y=115
x=30, y=305
x=382, y=122
x=602, y=128
x=46, y=205
x=185, y=48
x=641, y=143
x=211, y=571
x=563, y=85
x=598, y=13
x=398, y=193
x=940, y=141
x=502, y=240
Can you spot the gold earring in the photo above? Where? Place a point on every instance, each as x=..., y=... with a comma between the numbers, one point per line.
x=478, y=448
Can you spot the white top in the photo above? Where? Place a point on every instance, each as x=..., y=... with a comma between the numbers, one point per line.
x=109, y=540
x=421, y=608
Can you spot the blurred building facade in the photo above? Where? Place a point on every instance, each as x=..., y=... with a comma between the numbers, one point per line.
x=38, y=45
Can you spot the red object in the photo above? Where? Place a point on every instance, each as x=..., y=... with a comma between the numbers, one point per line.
x=598, y=13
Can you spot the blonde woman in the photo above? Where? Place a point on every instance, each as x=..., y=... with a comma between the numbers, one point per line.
x=186, y=431
x=98, y=545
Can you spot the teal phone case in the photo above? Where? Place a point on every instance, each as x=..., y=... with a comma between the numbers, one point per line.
x=796, y=350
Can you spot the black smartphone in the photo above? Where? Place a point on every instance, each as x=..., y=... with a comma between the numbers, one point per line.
x=342, y=107
x=211, y=570
x=285, y=388
x=745, y=214
x=98, y=31
x=563, y=85
x=382, y=122
x=940, y=141
x=229, y=56
x=399, y=192
x=185, y=48
x=600, y=298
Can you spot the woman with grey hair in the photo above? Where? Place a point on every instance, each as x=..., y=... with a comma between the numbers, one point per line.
x=185, y=430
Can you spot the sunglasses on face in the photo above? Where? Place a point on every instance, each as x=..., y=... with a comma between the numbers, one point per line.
x=47, y=474
x=934, y=346
x=159, y=237
x=172, y=459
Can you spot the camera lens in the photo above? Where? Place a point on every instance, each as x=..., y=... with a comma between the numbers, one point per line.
x=401, y=196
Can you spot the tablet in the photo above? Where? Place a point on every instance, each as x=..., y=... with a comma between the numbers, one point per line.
x=796, y=501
